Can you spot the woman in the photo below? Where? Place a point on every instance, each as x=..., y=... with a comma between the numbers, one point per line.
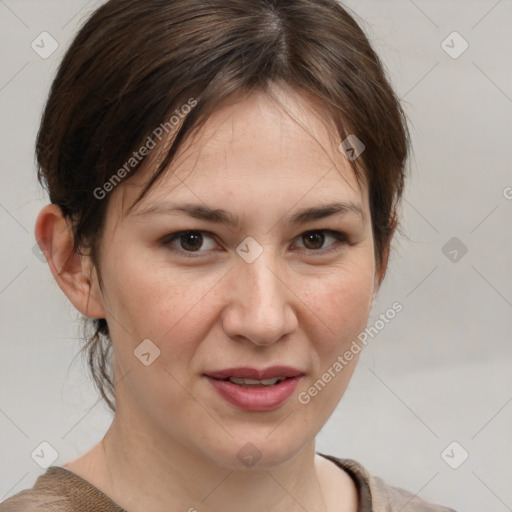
x=224, y=180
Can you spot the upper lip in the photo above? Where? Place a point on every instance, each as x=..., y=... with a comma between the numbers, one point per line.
x=253, y=373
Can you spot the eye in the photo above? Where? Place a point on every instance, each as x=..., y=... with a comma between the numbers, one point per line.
x=314, y=240
x=189, y=241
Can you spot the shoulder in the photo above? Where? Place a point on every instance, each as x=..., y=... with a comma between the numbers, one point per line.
x=31, y=500
x=381, y=497
x=45, y=495
x=59, y=490
x=400, y=499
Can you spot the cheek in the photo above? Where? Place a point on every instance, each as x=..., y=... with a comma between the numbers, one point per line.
x=171, y=308
x=340, y=304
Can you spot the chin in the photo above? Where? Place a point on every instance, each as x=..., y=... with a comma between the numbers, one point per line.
x=255, y=453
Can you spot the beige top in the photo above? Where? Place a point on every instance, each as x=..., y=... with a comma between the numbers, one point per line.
x=60, y=490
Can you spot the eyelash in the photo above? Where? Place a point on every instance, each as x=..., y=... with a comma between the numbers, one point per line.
x=341, y=239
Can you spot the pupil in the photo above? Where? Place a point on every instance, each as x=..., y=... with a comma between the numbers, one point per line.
x=196, y=238
x=314, y=237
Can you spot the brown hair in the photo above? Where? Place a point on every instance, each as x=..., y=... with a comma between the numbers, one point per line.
x=133, y=63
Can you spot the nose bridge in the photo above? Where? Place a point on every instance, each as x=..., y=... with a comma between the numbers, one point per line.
x=263, y=280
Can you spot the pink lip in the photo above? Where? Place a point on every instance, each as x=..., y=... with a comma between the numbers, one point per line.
x=261, y=398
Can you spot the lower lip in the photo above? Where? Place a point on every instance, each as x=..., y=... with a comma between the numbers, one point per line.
x=261, y=398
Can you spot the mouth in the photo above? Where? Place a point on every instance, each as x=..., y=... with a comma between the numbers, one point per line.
x=247, y=376
x=253, y=383
x=255, y=390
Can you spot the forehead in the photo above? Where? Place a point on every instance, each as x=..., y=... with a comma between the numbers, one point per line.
x=258, y=148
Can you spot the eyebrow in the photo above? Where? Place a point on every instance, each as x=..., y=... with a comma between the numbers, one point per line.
x=221, y=216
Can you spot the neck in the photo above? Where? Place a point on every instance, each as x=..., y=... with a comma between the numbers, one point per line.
x=145, y=472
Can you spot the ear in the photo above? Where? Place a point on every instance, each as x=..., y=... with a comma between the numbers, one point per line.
x=70, y=269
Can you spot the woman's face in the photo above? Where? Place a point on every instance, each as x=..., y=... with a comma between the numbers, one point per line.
x=268, y=291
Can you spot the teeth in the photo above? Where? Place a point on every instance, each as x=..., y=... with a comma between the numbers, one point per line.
x=253, y=382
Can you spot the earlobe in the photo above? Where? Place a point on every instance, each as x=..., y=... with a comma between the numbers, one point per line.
x=70, y=269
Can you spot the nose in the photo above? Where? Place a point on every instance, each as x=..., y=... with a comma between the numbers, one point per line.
x=259, y=302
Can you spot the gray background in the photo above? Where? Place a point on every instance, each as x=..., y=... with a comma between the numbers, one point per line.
x=439, y=372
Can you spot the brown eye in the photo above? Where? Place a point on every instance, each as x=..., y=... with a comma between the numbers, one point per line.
x=314, y=240
x=191, y=241
x=188, y=242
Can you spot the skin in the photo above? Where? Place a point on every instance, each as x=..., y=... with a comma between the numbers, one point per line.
x=173, y=441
